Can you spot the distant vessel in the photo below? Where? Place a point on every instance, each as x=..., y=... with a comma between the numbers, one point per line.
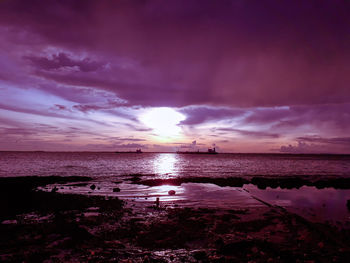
x=137, y=151
x=210, y=151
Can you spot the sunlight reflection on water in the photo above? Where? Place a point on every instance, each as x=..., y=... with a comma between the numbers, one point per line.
x=165, y=165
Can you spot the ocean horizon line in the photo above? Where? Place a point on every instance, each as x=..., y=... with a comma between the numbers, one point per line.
x=194, y=152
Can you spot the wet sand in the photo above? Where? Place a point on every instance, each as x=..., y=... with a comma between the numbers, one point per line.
x=54, y=224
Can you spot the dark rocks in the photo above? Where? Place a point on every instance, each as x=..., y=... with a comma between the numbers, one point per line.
x=171, y=192
x=135, y=178
x=92, y=187
x=219, y=243
x=181, y=234
x=284, y=183
x=19, y=196
x=200, y=255
x=116, y=190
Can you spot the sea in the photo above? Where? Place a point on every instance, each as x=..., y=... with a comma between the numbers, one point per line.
x=171, y=165
x=113, y=170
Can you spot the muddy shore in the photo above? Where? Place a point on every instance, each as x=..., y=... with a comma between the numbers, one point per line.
x=38, y=226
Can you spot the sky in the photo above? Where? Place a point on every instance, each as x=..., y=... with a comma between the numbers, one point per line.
x=167, y=75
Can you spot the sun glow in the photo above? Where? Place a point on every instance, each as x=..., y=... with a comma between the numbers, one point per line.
x=164, y=122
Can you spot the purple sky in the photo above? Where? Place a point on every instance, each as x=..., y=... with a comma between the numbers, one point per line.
x=245, y=76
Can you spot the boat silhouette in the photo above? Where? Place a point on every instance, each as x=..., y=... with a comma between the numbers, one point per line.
x=137, y=151
x=210, y=151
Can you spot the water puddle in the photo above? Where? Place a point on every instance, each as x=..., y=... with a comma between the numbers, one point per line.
x=326, y=204
x=318, y=204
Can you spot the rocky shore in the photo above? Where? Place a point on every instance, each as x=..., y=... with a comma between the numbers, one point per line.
x=38, y=226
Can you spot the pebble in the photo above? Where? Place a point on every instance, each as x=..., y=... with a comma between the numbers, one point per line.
x=171, y=192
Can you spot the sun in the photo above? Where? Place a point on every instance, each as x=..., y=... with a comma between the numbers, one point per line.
x=164, y=121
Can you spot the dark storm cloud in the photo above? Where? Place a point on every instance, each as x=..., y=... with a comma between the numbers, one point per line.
x=238, y=53
x=62, y=60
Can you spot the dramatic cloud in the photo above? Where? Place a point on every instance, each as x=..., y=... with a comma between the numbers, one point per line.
x=315, y=144
x=62, y=61
x=228, y=53
x=265, y=72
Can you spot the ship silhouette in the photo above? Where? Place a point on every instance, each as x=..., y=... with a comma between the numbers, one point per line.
x=137, y=151
x=210, y=151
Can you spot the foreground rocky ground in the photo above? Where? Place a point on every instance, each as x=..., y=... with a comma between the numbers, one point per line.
x=41, y=226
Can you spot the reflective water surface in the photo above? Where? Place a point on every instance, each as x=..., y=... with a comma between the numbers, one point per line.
x=315, y=204
x=170, y=165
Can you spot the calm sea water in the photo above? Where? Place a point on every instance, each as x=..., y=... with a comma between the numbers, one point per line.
x=168, y=165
